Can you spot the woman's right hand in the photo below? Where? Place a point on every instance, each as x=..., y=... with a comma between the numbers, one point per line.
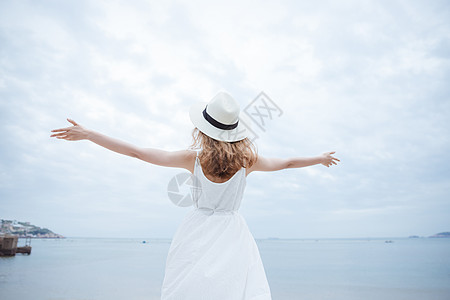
x=328, y=160
x=74, y=133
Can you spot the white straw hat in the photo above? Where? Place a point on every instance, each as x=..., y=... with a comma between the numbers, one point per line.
x=220, y=119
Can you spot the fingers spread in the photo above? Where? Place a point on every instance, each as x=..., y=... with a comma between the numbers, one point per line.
x=72, y=121
x=61, y=129
x=58, y=134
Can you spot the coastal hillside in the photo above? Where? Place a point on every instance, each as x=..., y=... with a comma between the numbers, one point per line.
x=441, y=235
x=25, y=229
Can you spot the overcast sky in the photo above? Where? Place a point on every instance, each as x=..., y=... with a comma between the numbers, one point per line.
x=367, y=79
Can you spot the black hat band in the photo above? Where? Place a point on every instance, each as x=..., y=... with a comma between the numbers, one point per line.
x=216, y=123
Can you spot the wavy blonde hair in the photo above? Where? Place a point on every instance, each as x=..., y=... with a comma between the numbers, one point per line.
x=223, y=159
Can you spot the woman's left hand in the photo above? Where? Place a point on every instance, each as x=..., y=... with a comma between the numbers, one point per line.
x=74, y=133
x=327, y=160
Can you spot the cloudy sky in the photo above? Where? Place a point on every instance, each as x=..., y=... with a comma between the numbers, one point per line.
x=367, y=79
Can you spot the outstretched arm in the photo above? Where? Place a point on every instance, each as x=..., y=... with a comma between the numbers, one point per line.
x=177, y=159
x=275, y=164
x=325, y=159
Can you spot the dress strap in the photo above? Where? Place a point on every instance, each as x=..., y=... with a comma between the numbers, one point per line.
x=196, y=157
x=197, y=160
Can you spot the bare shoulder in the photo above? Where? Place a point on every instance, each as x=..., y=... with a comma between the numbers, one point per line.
x=188, y=159
x=181, y=159
x=268, y=164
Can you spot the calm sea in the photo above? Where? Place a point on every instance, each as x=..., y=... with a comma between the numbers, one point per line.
x=87, y=268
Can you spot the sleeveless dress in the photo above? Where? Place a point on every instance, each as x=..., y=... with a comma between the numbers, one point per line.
x=213, y=255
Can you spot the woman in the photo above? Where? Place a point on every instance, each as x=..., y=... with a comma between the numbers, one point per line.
x=213, y=255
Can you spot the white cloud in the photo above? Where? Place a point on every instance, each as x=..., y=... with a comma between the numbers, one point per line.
x=367, y=80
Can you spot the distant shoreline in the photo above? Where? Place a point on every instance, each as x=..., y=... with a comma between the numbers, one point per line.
x=26, y=229
x=257, y=239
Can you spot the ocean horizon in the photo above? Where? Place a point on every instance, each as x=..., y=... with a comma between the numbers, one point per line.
x=308, y=268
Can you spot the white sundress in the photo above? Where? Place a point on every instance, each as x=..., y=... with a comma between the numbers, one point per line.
x=213, y=255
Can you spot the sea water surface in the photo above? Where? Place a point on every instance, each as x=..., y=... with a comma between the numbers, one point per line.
x=92, y=268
